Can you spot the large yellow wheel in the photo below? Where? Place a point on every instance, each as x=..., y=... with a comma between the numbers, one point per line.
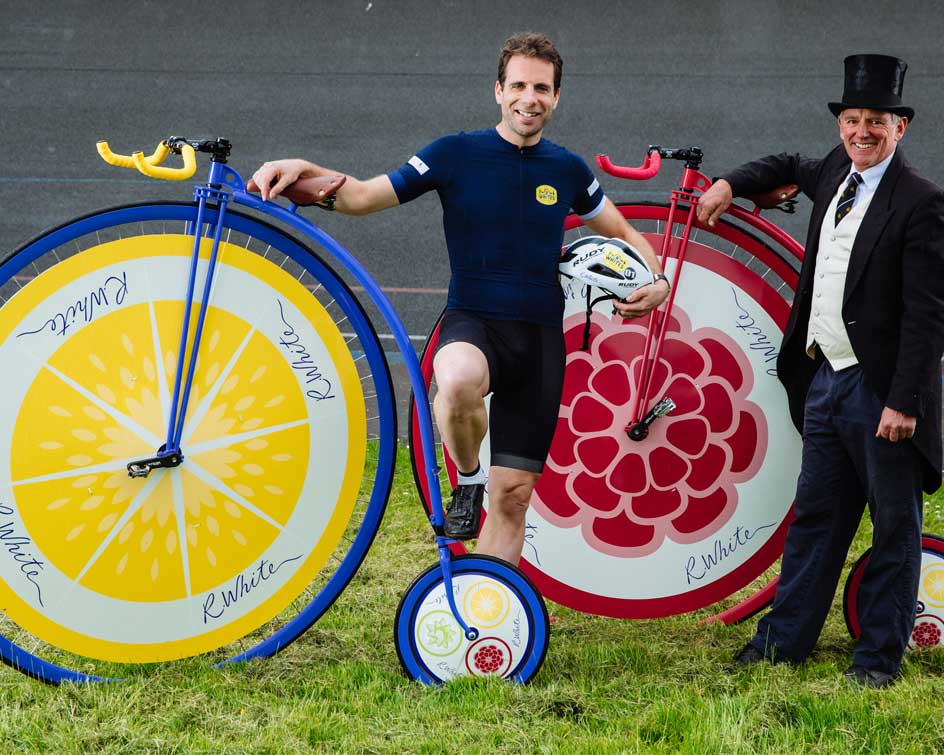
x=287, y=442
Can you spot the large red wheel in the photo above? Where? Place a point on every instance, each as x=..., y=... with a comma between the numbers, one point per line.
x=699, y=509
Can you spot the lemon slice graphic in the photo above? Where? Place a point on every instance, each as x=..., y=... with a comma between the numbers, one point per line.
x=486, y=603
x=932, y=583
x=274, y=444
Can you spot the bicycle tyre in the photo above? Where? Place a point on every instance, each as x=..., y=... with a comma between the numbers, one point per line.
x=928, y=631
x=759, y=263
x=513, y=635
x=330, y=523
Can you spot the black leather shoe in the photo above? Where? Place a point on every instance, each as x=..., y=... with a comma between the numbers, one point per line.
x=748, y=656
x=866, y=677
x=464, y=513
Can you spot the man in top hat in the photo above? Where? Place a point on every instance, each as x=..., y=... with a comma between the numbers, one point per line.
x=861, y=363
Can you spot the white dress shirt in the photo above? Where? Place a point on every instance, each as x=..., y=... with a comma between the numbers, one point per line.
x=826, y=328
x=871, y=178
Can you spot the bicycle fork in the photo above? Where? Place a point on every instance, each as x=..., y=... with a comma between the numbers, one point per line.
x=169, y=454
x=638, y=427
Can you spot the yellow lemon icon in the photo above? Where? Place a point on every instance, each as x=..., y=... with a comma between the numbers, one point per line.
x=932, y=583
x=486, y=603
x=121, y=537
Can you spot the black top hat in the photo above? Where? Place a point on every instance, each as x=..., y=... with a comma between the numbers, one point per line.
x=874, y=82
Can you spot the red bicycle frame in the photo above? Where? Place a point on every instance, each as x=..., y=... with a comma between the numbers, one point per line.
x=693, y=182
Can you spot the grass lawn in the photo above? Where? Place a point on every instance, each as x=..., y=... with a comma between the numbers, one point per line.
x=607, y=686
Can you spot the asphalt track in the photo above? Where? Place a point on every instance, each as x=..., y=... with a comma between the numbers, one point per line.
x=360, y=85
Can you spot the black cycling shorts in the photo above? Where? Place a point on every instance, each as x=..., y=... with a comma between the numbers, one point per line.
x=525, y=378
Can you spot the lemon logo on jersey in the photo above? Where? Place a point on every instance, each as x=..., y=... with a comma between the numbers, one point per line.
x=546, y=194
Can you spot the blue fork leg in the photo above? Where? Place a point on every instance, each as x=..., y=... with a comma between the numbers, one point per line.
x=183, y=382
x=445, y=563
x=201, y=319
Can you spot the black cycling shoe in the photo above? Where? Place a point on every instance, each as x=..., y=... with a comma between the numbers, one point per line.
x=464, y=513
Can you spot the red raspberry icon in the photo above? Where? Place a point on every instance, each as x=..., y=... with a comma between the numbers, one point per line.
x=489, y=655
x=926, y=635
x=488, y=659
x=681, y=484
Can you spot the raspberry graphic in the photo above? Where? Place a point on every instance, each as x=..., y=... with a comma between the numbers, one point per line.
x=488, y=659
x=926, y=635
x=680, y=483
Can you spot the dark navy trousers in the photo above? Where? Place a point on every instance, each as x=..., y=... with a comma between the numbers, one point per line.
x=844, y=468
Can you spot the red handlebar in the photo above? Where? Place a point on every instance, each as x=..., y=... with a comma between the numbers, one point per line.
x=645, y=171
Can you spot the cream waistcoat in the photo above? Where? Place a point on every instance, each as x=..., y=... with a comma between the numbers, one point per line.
x=826, y=328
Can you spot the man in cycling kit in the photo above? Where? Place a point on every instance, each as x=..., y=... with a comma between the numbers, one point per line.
x=505, y=192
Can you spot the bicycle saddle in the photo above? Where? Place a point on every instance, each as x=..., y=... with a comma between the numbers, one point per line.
x=775, y=197
x=314, y=191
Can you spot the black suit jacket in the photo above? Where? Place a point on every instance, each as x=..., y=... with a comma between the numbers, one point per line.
x=893, y=302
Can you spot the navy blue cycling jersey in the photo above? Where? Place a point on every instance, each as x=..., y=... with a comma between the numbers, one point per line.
x=503, y=215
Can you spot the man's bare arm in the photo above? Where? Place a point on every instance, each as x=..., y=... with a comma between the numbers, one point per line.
x=355, y=197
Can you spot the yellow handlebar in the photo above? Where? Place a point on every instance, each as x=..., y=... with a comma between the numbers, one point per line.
x=126, y=161
x=149, y=165
x=152, y=169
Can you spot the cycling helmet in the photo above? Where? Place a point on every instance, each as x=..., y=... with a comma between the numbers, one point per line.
x=609, y=264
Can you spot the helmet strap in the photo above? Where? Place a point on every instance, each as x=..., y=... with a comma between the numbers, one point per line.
x=590, y=305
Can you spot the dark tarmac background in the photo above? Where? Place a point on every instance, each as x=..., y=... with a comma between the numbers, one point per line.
x=360, y=86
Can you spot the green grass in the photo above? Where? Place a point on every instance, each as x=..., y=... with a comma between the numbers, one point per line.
x=607, y=686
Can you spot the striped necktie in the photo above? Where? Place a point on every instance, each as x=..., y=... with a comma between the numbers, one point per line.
x=847, y=197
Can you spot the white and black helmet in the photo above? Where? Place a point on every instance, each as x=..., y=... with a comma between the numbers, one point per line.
x=609, y=264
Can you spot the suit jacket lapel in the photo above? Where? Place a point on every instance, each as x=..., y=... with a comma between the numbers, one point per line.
x=824, y=195
x=873, y=223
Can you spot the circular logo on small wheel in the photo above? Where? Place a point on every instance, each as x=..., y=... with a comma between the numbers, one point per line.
x=488, y=656
x=486, y=603
x=437, y=633
x=931, y=586
x=927, y=633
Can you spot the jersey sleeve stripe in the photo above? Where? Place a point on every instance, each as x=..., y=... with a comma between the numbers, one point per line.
x=594, y=212
x=399, y=186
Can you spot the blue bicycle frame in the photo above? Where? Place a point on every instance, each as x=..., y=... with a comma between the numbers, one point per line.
x=224, y=185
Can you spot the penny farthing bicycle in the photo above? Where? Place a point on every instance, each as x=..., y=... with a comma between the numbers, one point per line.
x=670, y=478
x=671, y=475
x=198, y=437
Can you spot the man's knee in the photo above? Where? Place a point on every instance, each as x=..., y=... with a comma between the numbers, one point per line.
x=461, y=375
x=457, y=393
x=512, y=493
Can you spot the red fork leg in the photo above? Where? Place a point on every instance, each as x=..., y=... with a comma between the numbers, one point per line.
x=659, y=318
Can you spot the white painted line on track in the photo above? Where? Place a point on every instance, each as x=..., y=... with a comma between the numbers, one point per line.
x=401, y=290
x=387, y=336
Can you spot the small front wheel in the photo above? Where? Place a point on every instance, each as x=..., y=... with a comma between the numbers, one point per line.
x=928, y=631
x=496, y=599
